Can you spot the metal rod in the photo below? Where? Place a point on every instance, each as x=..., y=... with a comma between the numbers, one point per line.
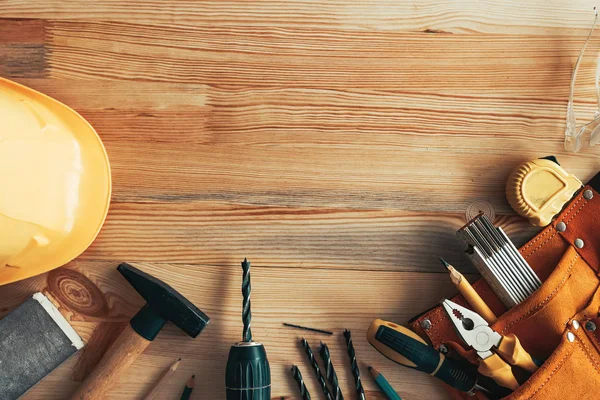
x=308, y=329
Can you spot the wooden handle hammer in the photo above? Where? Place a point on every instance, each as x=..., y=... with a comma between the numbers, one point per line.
x=163, y=303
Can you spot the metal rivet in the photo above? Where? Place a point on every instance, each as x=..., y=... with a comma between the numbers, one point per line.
x=579, y=243
x=575, y=324
x=443, y=349
x=590, y=326
x=426, y=324
x=570, y=337
x=588, y=194
x=561, y=226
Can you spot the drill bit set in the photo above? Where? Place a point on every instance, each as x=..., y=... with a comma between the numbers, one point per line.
x=248, y=375
x=330, y=375
x=498, y=261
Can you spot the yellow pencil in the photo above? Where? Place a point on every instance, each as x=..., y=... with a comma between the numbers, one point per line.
x=472, y=297
x=162, y=380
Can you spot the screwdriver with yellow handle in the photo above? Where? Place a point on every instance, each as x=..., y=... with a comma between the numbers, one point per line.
x=405, y=347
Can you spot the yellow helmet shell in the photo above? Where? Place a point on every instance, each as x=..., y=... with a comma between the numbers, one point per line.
x=54, y=179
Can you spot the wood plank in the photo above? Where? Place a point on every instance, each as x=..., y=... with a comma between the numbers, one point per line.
x=304, y=57
x=337, y=144
x=298, y=238
x=389, y=177
x=298, y=151
x=325, y=298
x=451, y=16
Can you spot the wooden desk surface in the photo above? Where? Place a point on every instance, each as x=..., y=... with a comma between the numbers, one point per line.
x=334, y=144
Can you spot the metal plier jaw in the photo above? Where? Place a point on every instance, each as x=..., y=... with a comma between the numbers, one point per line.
x=473, y=329
x=507, y=350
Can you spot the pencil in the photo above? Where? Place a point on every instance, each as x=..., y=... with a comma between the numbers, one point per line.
x=163, y=378
x=189, y=386
x=384, y=384
x=472, y=297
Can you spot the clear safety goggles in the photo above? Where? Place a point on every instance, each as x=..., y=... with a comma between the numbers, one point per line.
x=578, y=136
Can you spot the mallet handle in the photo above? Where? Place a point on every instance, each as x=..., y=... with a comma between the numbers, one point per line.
x=124, y=351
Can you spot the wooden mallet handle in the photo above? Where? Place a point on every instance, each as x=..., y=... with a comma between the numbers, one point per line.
x=124, y=351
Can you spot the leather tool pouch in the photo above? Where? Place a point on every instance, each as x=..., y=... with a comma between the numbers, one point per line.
x=567, y=262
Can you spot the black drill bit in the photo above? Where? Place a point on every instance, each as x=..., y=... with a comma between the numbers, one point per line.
x=246, y=311
x=301, y=385
x=315, y=366
x=355, y=371
x=307, y=328
x=330, y=372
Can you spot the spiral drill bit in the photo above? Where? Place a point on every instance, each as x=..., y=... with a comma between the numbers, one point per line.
x=246, y=305
x=330, y=372
x=247, y=374
x=301, y=385
x=355, y=371
x=315, y=366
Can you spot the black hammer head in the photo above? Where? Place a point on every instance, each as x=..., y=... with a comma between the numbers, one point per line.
x=163, y=303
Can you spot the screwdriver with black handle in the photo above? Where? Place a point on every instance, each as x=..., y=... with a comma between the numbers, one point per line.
x=405, y=347
x=247, y=375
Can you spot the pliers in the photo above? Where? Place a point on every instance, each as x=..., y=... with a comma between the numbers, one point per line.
x=496, y=352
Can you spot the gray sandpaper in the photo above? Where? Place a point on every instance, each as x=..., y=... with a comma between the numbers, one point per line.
x=32, y=344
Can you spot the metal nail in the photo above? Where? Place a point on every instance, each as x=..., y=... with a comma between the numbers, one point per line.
x=579, y=243
x=443, y=349
x=588, y=194
x=575, y=324
x=570, y=337
x=561, y=226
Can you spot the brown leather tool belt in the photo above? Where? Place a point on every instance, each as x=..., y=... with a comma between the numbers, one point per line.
x=559, y=323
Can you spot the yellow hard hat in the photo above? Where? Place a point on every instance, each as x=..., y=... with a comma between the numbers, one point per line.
x=55, y=183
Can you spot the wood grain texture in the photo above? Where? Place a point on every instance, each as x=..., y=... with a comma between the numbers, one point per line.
x=336, y=144
x=23, y=48
x=117, y=360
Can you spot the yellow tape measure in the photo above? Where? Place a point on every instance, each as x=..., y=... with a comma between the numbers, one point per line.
x=539, y=189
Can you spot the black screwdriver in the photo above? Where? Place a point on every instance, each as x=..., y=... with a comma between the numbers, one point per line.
x=247, y=375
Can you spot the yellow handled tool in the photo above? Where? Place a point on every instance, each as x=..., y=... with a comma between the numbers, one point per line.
x=405, y=347
x=490, y=346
